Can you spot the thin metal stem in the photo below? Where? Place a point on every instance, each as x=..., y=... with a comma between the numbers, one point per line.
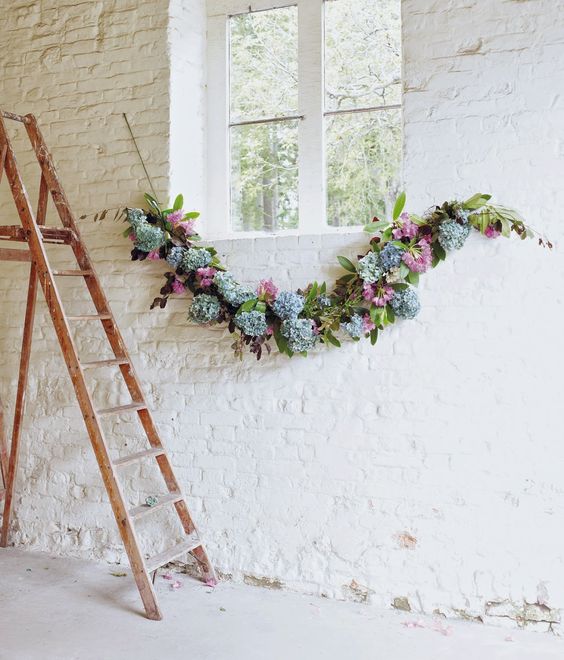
x=270, y=120
x=141, y=158
x=352, y=111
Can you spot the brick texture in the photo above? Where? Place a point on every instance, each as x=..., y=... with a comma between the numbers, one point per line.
x=424, y=471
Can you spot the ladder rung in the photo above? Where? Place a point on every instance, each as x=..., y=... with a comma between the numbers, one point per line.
x=90, y=317
x=164, y=500
x=73, y=273
x=165, y=557
x=136, y=405
x=104, y=363
x=140, y=455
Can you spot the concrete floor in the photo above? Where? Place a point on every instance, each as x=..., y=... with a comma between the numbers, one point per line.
x=56, y=609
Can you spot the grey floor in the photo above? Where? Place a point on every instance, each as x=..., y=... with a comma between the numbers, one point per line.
x=57, y=609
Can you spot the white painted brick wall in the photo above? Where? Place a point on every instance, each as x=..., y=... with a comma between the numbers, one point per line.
x=316, y=473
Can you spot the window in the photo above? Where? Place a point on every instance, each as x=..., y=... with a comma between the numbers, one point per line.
x=304, y=113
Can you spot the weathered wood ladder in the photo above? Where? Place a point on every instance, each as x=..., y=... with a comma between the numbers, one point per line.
x=34, y=232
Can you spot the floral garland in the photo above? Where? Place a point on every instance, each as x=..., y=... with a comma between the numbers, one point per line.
x=370, y=296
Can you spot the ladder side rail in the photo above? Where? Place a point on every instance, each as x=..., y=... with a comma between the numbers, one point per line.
x=101, y=304
x=113, y=334
x=23, y=376
x=3, y=453
x=66, y=341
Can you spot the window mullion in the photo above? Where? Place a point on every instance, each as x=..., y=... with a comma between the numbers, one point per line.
x=218, y=211
x=310, y=88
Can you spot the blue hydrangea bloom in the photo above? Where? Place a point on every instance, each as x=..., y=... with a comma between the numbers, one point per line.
x=405, y=303
x=136, y=216
x=148, y=237
x=354, y=327
x=369, y=268
x=204, y=309
x=452, y=236
x=235, y=294
x=462, y=215
x=390, y=257
x=299, y=333
x=174, y=257
x=252, y=323
x=324, y=300
x=195, y=258
x=288, y=305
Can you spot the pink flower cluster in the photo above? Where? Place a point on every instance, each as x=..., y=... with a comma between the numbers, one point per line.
x=407, y=229
x=492, y=232
x=378, y=295
x=154, y=255
x=178, y=285
x=175, y=219
x=205, y=276
x=419, y=257
x=367, y=324
x=267, y=291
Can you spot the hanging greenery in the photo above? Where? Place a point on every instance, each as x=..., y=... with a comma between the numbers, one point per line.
x=376, y=288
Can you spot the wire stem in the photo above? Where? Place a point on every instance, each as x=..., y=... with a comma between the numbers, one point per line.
x=141, y=158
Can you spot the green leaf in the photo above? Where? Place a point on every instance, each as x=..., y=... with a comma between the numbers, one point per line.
x=390, y=314
x=312, y=293
x=439, y=251
x=152, y=202
x=398, y=206
x=413, y=278
x=178, y=203
x=346, y=264
x=261, y=307
x=404, y=270
x=192, y=215
x=374, y=336
x=247, y=306
x=127, y=232
x=331, y=339
x=476, y=201
x=374, y=227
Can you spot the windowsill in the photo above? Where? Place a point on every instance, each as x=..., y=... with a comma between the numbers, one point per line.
x=252, y=235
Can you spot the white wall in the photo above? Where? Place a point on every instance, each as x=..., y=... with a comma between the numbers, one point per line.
x=427, y=468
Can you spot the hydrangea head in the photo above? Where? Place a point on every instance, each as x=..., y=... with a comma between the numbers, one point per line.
x=390, y=257
x=369, y=268
x=452, y=235
x=136, y=216
x=148, y=237
x=204, y=309
x=405, y=303
x=234, y=293
x=195, y=258
x=355, y=327
x=288, y=305
x=174, y=257
x=252, y=323
x=299, y=334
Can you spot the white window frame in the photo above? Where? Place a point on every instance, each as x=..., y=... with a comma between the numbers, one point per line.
x=311, y=103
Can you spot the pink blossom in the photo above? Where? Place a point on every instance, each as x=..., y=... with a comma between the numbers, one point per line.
x=132, y=237
x=175, y=217
x=270, y=331
x=367, y=324
x=206, y=276
x=188, y=227
x=492, y=232
x=314, y=327
x=419, y=257
x=406, y=229
x=178, y=286
x=378, y=295
x=154, y=255
x=267, y=291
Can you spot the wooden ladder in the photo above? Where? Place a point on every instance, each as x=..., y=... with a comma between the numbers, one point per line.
x=34, y=232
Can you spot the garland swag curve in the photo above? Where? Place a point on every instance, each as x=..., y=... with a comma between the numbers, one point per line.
x=371, y=295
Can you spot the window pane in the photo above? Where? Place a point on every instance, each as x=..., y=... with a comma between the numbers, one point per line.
x=264, y=176
x=362, y=53
x=264, y=64
x=363, y=166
